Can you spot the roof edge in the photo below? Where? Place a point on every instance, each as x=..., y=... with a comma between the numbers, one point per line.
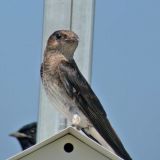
x=70, y=130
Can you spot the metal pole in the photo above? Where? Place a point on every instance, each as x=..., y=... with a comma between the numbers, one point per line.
x=76, y=15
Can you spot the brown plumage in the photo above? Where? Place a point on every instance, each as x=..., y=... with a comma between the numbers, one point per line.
x=66, y=86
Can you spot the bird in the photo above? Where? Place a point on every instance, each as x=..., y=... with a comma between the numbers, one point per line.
x=66, y=87
x=26, y=135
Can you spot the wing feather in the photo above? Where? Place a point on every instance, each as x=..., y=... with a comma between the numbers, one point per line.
x=77, y=87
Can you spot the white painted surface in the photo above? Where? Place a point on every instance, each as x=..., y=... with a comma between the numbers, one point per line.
x=53, y=148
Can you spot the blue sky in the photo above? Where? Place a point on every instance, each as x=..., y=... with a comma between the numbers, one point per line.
x=125, y=73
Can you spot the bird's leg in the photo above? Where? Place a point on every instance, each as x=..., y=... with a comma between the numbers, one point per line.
x=76, y=119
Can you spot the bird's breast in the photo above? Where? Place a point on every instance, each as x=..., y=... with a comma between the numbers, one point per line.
x=59, y=97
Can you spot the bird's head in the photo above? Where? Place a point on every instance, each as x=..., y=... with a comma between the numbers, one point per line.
x=63, y=41
x=26, y=135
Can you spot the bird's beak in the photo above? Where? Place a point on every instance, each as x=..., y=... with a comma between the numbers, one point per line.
x=76, y=38
x=18, y=135
x=73, y=39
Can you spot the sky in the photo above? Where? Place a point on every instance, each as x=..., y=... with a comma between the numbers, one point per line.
x=125, y=71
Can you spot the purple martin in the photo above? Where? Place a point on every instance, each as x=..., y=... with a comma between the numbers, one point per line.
x=66, y=87
x=26, y=135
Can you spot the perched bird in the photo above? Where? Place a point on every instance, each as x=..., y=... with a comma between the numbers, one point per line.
x=26, y=135
x=67, y=88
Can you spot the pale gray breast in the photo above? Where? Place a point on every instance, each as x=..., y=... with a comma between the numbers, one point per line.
x=58, y=96
x=55, y=93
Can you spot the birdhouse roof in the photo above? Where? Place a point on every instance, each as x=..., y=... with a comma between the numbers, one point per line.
x=70, y=132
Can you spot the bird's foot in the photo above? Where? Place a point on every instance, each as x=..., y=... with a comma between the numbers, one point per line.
x=76, y=121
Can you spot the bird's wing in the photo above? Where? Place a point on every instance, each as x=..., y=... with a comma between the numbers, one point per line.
x=77, y=87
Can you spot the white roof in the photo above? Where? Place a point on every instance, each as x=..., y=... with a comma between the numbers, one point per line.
x=74, y=133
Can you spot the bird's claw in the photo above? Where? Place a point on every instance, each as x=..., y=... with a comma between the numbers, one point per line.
x=76, y=121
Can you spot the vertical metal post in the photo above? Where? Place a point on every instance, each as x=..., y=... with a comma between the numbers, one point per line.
x=76, y=15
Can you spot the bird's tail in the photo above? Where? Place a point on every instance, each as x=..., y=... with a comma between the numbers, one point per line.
x=107, y=132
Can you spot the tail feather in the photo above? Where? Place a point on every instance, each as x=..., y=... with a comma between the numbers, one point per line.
x=107, y=132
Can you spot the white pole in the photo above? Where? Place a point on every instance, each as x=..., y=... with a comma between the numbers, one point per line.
x=76, y=15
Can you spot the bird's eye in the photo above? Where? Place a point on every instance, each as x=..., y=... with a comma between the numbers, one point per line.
x=58, y=36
